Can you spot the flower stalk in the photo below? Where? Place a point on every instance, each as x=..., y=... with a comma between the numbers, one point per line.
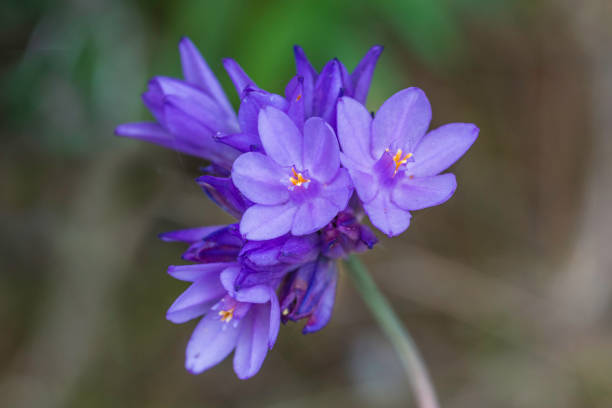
x=393, y=328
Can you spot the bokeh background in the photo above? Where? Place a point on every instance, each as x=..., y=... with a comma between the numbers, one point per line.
x=507, y=288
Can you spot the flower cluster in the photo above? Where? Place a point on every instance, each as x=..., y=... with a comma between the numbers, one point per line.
x=299, y=171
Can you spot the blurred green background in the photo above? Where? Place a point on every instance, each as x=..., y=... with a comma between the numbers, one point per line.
x=507, y=288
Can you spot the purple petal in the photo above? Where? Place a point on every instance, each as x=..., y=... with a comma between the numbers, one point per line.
x=305, y=70
x=323, y=311
x=339, y=190
x=362, y=74
x=262, y=253
x=222, y=245
x=191, y=273
x=240, y=79
x=197, y=299
x=154, y=133
x=253, y=294
x=386, y=216
x=211, y=341
x=422, y=192
x=205, y=114
x=243, y=142
x=192, y=132
x=252, y=345
x=280, y=137
x=249, y=277
x=252, y=103
x=197, y=72
x=347, y=84
x=313, y=215
x=258, y=177
x=321, y=153
x=354, y=123
x=324, y=273
x=299, y=249
x=274, y=325
x=153, y=99
x=356, y=164
x=196, y=103
x=367, y=236
x=191, y=234
x=295, y=95
x=327, y=91
x=366, y=185
x=261, y=222
x=401, y=122
x=293, y=290
x=442, y=147
x=228, y=277
x=223, y=192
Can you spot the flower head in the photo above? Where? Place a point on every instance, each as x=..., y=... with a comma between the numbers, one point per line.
x=394, y=163
x=280, y=170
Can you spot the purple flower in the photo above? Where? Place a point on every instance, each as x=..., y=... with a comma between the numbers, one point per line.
x=209, y=244
x=394, y=163
x=260, y=261
x=265, y=261
x=309, y=292
x=222, y=192
x=322, y=90
x=344, y=235
x=247, y=321
x=188, y=113
x=253, y=100
x=298, y=185
x=279, y=168
x=308, y=94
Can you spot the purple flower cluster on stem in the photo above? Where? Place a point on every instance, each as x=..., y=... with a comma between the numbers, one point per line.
x=299, y=172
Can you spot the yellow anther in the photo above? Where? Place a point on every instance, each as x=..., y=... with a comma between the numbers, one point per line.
x=297, y=179
x=285, y=312
x=399, y=160
x=297, y=99
x=226, y=315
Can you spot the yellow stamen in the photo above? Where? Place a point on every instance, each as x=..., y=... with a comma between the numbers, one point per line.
x=399, y=160
x=226, y=315
x=285, y=312
x=298, y=179
x=297, y=99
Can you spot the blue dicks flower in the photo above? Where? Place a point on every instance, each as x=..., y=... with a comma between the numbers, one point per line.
x=298, y=186
x=222, y=192
x=265, y=261
x=394, y=163
x=245, y=320
x=309, y=292
x=209, y=244
x=322, y=90
x=308, y=94
x=189, y=113
x=344, y=235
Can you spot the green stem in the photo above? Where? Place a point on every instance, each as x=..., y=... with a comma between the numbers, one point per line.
x=394, y=329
